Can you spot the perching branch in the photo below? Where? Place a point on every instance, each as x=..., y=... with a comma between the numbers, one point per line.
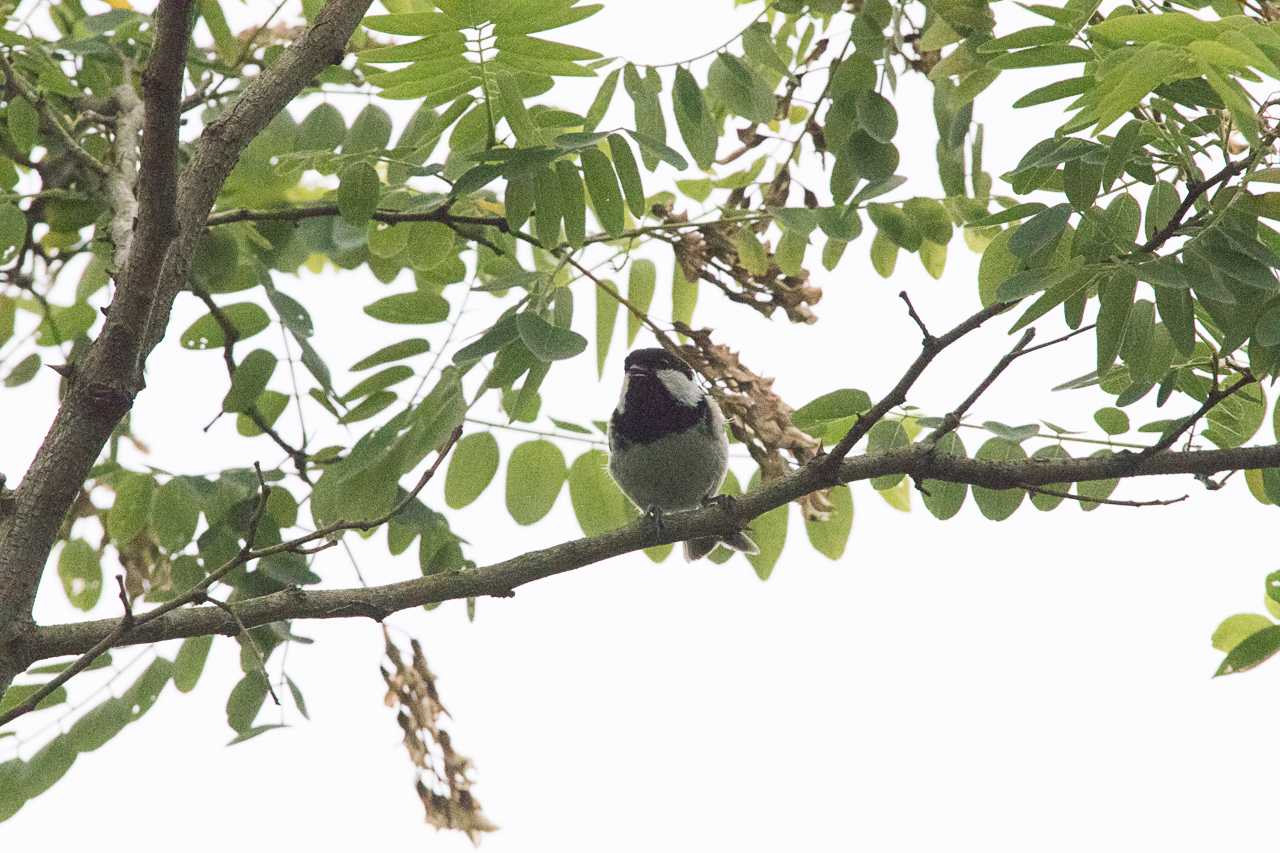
x=500, y=579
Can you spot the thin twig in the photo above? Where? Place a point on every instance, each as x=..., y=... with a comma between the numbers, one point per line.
x=1054, y=493
x=1194, y=191
x=31, y=96
x=229, y=333
x=1216, y=396
x=952, y=420
x=929, y=350
x=247, y=554
x=911, y=311
x=225, y=607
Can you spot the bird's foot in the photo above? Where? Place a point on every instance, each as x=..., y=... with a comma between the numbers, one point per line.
x=728, y=504
x=654, y=515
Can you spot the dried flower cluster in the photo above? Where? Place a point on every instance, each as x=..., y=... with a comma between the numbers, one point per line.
x=758, y=417
x=443, y=783
x=708, y=253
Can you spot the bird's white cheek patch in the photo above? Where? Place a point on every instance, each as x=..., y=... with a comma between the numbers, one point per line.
x=683, y=389
x=622, y=400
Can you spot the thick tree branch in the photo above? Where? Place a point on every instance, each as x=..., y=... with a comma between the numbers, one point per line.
x=500, y=579
x=102, y=390
x=170, y=221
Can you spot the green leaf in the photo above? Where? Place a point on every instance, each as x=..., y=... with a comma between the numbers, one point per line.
x=648, y=111
x=245, y=701
x=323, y=129
x=358, y=191
x=652, y=147
x=598, y=503
x=606, y=194
x=1040, y=230
x=877, y=116
x=1040, y=500
x=1161, y=204
x=740, y=90
x=1251, y=651
x=641, y=285
x=144, y=692
x=13, y=231
x=80, y=573
x=600, y=105
x=548, y=342
x=24, y=371
x=943, y=498
x=999, y=504
x=769, y=531
x=474, y=462
x=830, y=537
x=245, y=318
x=379, y=381
x=684, y=296
x=99, y=725
x=535, y=473
x=884, y=254
x=393, y=352
x=1236, y=629
x=886, y=436
x=628, y=174
x=270, y=406
x=549, y=207
x=573, y=202
x=250, y=380
x=370, y=131
x=527, y=133
x=1096, y=489
x=1112, y=420
x=606, y=319
x=174, y=514
x=254, y=731
x=418, y=306
x=895, y=225
x=128, y=515
x=24, y=124
x=189, y=662
x=693, y=118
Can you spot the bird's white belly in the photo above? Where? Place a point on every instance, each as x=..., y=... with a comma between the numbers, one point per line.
x=673, y=473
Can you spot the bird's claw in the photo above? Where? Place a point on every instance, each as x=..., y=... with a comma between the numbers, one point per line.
x=728, y=504
x=654, y=514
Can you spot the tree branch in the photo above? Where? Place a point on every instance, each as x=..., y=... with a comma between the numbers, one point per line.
x=930, y=347
x=500, y=579
x=122, y=630
x=103, y=387
x=296, y=454
x=168, y=227
x=1194, y=192
x=953, y=418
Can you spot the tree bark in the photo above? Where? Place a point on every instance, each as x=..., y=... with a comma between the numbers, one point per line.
x=171, y=216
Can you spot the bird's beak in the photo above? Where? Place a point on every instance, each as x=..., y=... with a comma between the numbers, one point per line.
x=637, y=370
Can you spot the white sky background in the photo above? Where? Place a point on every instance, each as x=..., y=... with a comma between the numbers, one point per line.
x=1040, y=683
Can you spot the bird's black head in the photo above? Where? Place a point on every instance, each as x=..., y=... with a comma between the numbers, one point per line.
x=652, y=359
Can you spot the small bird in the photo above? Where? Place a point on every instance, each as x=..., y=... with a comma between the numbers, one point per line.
x=667, y=446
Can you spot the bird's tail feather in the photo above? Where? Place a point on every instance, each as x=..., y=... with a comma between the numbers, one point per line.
x=696, y=549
